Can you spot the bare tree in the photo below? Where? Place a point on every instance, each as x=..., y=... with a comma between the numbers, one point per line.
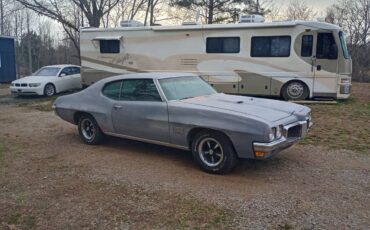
x=354, y=18
x=298, y=10
x=70, y=13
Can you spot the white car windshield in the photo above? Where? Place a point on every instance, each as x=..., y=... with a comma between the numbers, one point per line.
x=179, y=88
x=47, y=71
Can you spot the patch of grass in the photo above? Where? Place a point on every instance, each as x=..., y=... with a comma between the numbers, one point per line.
x=191, y=213
x=41, y=104
x=3, y=148
x=341, y=126
x=25, y=221
x=4, y=86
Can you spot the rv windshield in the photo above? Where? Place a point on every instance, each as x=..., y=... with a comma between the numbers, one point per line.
x=344, y=45
x=179, y=88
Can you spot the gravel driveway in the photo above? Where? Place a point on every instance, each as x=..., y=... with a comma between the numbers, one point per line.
x=51, y=180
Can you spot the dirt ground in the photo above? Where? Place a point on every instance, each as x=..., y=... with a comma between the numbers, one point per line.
x=50, y=180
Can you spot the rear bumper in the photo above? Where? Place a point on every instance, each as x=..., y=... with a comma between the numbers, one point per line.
x=266, y=150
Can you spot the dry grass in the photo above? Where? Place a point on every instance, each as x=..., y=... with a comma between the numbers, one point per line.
x=4, y=86
x=344, y=125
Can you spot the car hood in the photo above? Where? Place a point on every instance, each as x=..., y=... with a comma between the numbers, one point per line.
x=267, y=109
x=35, y=79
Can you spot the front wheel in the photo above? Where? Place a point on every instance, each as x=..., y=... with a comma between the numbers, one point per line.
x=295, y=90
x=49, y=90
x=89, y=130
x=214, y=152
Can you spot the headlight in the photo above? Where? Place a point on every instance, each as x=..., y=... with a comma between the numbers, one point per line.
x=279, y=132
x=276, y=133
x=12, y=84
x=272, y=134
x=34, y=84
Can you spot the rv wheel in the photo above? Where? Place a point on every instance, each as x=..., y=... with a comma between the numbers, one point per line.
x=295, y=90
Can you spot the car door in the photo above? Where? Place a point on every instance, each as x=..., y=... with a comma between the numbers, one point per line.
x=65, y=79
x=140, y=112
x=75, y=78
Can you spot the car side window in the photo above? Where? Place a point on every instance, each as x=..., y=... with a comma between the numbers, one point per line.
x=75, y=70
x=113, y=89
x=67, y=71
x=139, y=90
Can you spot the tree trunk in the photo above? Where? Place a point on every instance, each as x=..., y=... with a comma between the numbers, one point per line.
x=210, y=11
x=1, y=17
x=29, y=37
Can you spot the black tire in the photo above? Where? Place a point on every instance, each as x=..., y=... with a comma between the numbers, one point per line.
x=295, y=90
x=49, y=90
x=221, y=165
x=89, y=130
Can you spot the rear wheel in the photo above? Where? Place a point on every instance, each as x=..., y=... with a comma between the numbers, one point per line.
x=214, y=152
x=89, y=130
x=49, y=90
x=295, y=90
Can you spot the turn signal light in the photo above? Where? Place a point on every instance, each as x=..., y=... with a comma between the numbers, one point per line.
x=260, y=154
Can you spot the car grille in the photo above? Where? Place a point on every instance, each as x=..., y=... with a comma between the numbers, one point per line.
x=21, y=85
x=296, y=130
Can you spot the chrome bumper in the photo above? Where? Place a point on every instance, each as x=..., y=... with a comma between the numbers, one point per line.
x=284, y=142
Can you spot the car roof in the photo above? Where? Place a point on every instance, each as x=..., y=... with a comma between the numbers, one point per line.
x=151, y=75
x=61, y=65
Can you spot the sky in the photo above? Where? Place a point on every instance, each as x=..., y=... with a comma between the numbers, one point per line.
x=317, y=5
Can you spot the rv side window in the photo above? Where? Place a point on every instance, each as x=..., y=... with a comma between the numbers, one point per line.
x=307, y=43
x=109, y=46
x=325, y=46
x=223, y=45
x=271, y=46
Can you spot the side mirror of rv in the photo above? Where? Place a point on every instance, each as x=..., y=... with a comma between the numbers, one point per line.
x=333, y=52
x=62, y=75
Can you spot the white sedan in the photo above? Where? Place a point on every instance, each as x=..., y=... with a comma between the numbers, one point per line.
x=48, y=81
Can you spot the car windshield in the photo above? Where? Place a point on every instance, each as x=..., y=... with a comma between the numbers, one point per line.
x=179, y=88
x=47, y=71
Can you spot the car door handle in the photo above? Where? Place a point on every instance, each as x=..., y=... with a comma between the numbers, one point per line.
x=117, y=106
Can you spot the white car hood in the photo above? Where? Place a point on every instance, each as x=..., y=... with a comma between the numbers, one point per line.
x=36, y=79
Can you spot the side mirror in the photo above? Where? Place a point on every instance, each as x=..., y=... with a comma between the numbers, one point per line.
x=62, y=75
x=333, y=52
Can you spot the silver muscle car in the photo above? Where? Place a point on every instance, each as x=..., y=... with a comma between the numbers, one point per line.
x=181, y=110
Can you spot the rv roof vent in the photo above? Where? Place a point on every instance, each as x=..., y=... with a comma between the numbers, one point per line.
x=189, y=23
x=251, y=18
x=131, y=23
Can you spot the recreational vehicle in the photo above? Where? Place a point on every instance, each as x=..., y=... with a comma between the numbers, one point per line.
x=292, y=59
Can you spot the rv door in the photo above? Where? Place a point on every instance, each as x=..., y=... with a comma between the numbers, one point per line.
x=325, y=64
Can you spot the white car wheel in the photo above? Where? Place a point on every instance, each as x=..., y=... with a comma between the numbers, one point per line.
x=49, y=90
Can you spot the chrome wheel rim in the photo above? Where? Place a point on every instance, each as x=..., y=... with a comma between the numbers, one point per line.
x=295, y=90
x=88, y=129
x=210, y=152
x=49, y=90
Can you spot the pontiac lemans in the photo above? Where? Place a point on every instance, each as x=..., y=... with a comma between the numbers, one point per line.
x=181, y=110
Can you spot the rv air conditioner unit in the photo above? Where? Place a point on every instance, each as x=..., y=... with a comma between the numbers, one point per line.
x=131, y=23
x=251, y=18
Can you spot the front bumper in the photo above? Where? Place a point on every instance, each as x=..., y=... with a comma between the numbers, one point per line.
x=298, y=131
x=27, y=90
